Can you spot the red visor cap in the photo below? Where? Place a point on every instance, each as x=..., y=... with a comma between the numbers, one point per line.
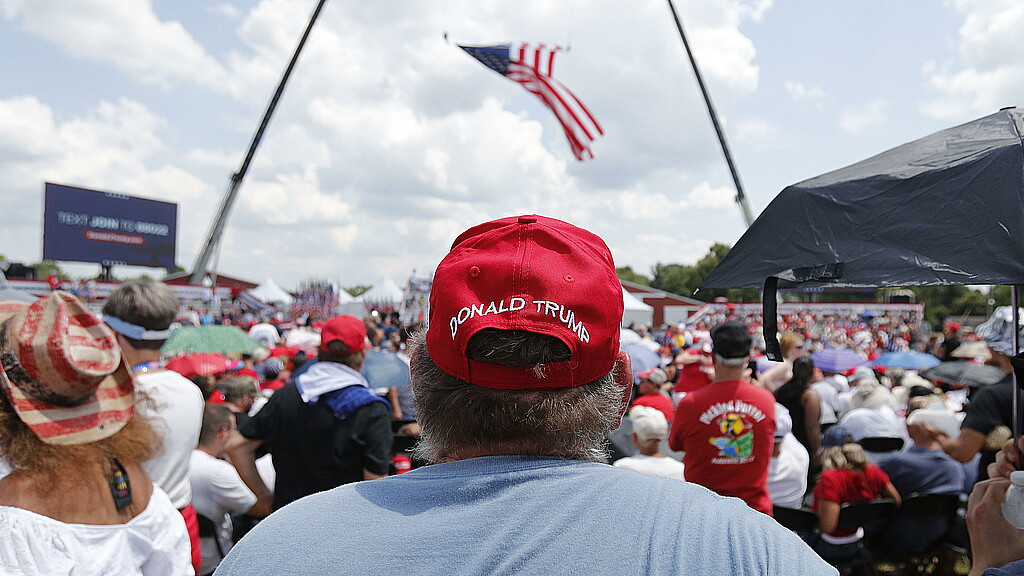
x=527, y=273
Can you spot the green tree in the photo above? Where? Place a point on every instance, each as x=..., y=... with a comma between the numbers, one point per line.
x=953, y=302
x=46, y=267
x=671, y=278
x=684, y=279
x=626, y=273
x=700, y=271
x=1001, y=295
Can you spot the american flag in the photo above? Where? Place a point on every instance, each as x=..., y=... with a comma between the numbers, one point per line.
x=532, y=67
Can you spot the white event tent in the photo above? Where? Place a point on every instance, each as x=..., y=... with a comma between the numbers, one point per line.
x=635, y=311
x=269, y=292
x=384, y=294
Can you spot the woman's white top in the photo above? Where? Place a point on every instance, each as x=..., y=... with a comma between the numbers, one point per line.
x=154, y=542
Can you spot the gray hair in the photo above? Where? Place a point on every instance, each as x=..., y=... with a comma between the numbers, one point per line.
x=732, y=362
x=454, y=414
x=147, y=303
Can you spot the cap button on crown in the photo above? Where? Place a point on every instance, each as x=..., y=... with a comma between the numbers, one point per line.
x=527, y=219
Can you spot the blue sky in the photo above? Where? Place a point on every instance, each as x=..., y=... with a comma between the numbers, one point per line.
x=389, y=141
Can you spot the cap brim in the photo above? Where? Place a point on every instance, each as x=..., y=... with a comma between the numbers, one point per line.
x=102, y=415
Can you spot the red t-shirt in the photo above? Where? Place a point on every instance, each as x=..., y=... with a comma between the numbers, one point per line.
x=842, y=486
x=693, y=376
x=658, y=401
x=249, y=372
x=727, y=430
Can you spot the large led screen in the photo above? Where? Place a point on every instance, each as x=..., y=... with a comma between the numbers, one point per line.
x=81, y=225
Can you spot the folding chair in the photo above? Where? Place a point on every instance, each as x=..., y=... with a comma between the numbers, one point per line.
x=914, y=535
x=868, y=514
x=796, y=519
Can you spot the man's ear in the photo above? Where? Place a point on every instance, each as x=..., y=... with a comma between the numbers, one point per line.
x=624, y=378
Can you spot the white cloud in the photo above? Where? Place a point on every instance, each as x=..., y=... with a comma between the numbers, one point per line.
x=25, y=124
x=665, y=246
x=988, y=73
x=799, y=92
x=225, y=10
x=111, y=142
x=125, y=33
x=388, y=142
x=856, y=119
x=756, y=130
x=727, y=55
x=706, y=197
x=639, y=206
x=115, y=147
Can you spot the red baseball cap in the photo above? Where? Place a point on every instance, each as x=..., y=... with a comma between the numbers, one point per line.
x=349, y=329
x=527, y=273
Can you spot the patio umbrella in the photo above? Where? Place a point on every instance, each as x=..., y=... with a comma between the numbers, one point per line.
x=201, y=364
x=973, y=349
x=837, y=360
x=642, y=357
x=384, y=370
x=907, y=360
x=964, y=374
x=215, y=339
x=897, y=219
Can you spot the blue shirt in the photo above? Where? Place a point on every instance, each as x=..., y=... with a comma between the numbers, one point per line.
x=521, y=515
x=924, y=471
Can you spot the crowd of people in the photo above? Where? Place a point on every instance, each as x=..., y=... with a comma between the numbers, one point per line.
x=859, y=434
x=115, y=459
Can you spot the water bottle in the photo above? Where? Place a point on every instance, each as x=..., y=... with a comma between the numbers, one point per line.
x=1013, y=503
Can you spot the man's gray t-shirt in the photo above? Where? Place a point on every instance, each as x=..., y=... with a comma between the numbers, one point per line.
x=521, y=515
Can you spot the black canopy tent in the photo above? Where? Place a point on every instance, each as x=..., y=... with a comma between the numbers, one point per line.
x=947, y=209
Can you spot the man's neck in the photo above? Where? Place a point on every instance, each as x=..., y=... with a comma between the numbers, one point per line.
x=728, y=375
x=211, y=450
x=136, y=357
x=467, y=452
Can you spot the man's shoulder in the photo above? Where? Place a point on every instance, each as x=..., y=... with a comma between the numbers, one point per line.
x=415, y=486
x=754, y=391
x=169, y=387
x=675, y=507
x=732, y=390
x=203, y=464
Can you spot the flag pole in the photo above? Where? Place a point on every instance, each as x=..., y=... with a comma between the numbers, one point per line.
x=217, y=229
x=741, y=198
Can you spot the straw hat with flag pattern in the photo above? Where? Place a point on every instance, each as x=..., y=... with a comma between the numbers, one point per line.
x=62, y=370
